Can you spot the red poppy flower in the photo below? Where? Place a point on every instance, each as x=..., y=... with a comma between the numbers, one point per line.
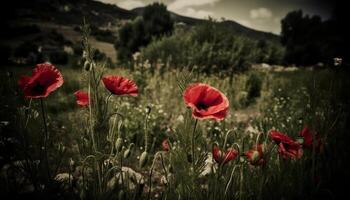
x=287, y=147
x=307, y=134
x=206, y=102
x=44, y=80
x=165, y=145
x=223, y=157
x=82, y=98
x=256, y=155
x=119, y=85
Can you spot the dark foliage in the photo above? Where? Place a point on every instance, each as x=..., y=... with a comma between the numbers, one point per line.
x=154, y=23
x=212, y=48
x=310, y=40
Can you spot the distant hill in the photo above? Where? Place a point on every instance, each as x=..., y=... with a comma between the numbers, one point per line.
x=68, y=12
x=236, y=27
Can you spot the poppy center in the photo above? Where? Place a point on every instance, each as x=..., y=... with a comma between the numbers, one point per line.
x=38, y=88
x=202, y=106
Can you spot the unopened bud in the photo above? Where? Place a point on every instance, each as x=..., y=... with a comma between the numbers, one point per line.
x=84, y=54
x=87, y=65
x=148, y=110
x=300, y=140
x=143, y=159
x=127, y=152
x=255, y=156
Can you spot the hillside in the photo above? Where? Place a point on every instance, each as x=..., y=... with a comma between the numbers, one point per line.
x=68, y=12
x=235, y=27
x=65, y=11
x=28, y=21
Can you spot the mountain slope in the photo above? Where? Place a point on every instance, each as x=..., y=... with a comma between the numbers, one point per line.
x=234, y=26
x=67, y=12
x=98, y=14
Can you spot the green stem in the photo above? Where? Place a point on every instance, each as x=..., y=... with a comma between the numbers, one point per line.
x=146, y=134
x=90, y=117
x=164, y=168
x=241, y=183
x=193, y=145
x=46, y=136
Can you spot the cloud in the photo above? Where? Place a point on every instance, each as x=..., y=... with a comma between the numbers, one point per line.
x=130, y=4
x=190, y=12
x=180, y=4
x=260, y=13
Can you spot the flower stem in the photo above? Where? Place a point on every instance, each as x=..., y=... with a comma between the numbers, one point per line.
x=91, y=118
x=46, y=136
x=146, y=134
x=192, y=142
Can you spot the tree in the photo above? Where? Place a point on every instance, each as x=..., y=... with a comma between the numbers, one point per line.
x=308, y=39
x=157, y=21
x=154, y=23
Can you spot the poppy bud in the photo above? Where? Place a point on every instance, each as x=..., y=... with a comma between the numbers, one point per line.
x=85, y=54
x=119, y=144
x=127, y=152
x=87, y=65
x=143, y=159
x=300, y=140
x=255, y=156
x=148, y=110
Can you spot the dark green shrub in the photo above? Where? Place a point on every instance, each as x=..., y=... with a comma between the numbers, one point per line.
x=253, y=85
x=212, y=48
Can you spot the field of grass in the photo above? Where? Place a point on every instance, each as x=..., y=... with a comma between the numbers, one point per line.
x=259, y=102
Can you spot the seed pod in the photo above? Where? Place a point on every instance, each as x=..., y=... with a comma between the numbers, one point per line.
x=119, y=144
x=143, y=159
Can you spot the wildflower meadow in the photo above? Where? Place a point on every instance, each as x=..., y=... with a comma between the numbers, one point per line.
x=166, y=129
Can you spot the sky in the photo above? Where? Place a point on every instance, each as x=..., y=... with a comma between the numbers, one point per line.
x=264, y=15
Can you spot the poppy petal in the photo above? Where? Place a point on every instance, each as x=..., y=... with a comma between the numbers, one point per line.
x=82, y=98
x=119, y=85
x=44, y=80
x=206, y=102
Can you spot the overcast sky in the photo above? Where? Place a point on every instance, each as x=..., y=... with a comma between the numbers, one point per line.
x=262, y=15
